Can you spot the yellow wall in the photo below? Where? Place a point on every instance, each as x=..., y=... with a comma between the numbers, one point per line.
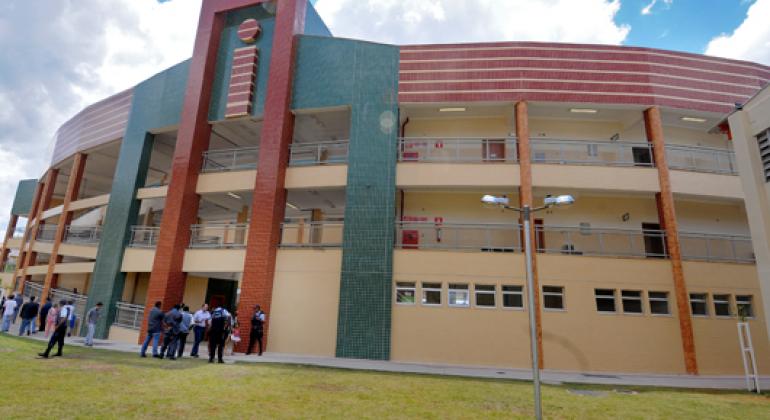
x=73, y=281
x=448, y=175
x=140, y=281
x=195, y=291
x=595, y=177
x=458, y=126
x=303, y=316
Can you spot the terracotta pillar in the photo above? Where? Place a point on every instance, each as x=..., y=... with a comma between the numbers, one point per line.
x=526, y=199
x=28, y=232
x=8, y=235
x=73, y=188
x=269, y=199
x=42, y=204
x=665, y=200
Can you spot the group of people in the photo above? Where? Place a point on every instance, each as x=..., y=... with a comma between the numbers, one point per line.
x=30, y=312
x=175, y=324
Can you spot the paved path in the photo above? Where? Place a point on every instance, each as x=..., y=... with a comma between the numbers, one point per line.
x=548, y=376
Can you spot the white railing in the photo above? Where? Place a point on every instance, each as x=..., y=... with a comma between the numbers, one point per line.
x=322, y=153
x=33, y=289
x=601, y=153
x=701, y=159
x=716, y=247
x=572, y=240
x=492, y=237
x=144, y=237
x=223, y=235
x=128, y=315
x=46, y=233
x=239, y=159
x=301, y=233
x=82, y=234
x=80, y=301
x=460, y=150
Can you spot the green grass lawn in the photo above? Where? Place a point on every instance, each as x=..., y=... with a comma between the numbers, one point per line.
x=93, y=383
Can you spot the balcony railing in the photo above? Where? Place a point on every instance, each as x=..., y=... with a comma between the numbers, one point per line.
x=321, y=234
x=322, y=153
x=19, y=232
x=9, y=267
x=32, y=289
x=716, y=248
x=457, y=150
x=602, y=153
x=88, y=235
x=701, y=159
x=224, y=160
x=46, y=233
x=128, y=315
x=571, y=240
x=502, y=237
x=219, y=236
x=144, y=236
x=80, y=301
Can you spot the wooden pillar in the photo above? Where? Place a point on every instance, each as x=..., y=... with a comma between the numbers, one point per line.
x=665, y=200
x=4, y=252
x=73, y=188
x=42, y=204
x=526, y=199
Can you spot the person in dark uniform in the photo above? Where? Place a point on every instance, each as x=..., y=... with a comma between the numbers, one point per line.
x=171, y=333
x=257, y=330
x=60, y=332
x=44, y=313
x=220, y=325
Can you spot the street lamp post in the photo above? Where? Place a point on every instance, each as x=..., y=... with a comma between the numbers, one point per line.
x=526, y=211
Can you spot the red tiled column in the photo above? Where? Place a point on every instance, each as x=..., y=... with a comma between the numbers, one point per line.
x=73, y=187
x=269, y=199
x=8, y=235
x=526, y=199
x=42, y=203
x=665, y=201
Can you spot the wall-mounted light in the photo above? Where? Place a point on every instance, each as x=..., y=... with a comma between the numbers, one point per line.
x=291, y=206
x=234, y=195
x=693, y=119
x=455, y=109
x=583, y=110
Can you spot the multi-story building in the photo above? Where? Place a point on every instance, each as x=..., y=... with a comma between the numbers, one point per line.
x=337, y=183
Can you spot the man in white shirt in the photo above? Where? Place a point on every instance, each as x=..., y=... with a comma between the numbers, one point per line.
x=60, y=332
x=201, y=320
x=9, y=312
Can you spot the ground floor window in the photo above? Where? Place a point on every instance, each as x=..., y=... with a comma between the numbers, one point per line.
x=431, y=294
x=405, y=292
x=632, y=301
x=485, y=295
x=658, y=303
x=553, y=297
x=721, y=305
x=458, y=294
x=513, y=296
x=605, y=300
x=698, y=304
x=744, y=305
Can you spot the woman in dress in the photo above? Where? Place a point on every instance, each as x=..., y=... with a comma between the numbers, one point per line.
x=50, y=319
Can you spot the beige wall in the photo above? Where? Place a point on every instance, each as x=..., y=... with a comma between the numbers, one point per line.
x=195, y=291
x=447, y=175
x=73, y=281
x=303, y=318
x=457, y=207
x=135, y=288
x=595, y=177
x=458, y=126
x=226, y=181
x=576, y=339
x=706, y=185
x=712, y=216
x=317, y=176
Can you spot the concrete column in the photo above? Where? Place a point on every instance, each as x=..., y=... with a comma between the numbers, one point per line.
x=526, y=199
x=665, y=199
x=73, y=188
x=43, y=204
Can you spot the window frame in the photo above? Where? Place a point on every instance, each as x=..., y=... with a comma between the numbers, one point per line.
x=640, y=299
x=504, y=293
x=476, y=293
x=750, y=304
x=424, y=289
x=455, y=289
x=614, y=299
x=728, y=302
x=561, y=294
x=413, y=288
x=666, y=299
x=705, y=304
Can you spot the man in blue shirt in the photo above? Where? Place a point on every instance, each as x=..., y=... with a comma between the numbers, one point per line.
x=184, y=328
x=154, y=324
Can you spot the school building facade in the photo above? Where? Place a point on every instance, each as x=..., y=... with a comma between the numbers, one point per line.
x=337, y=183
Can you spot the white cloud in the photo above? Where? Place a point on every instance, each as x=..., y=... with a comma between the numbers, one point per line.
x=646, y=10
x=750, y=40
x=443, y=21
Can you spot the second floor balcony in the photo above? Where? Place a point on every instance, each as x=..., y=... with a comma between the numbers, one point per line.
x=84, y=235
x=46, y=233
x=457, y=150
x=319, y=153
x=227, y=160
x=312, y=234
x=218, y=235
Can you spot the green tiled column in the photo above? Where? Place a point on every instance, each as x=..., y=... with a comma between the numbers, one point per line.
x=333, y=72
x=157, y=102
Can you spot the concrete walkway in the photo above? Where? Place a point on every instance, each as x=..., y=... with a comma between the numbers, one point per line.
x=547, y=376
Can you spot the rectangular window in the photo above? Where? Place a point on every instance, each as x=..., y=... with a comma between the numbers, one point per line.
x=458, y=295
x=431, y=294
x=698, y=305
x=743, y=303
x=632, y=301
x=405, y=293
x=721, y=305
x=605, y=300
x=553, y=297
x=513, y=297
x=658, y=303
x=485, y=295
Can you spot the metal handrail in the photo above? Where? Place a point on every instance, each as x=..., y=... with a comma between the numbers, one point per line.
x=490, y=237
x=82, y=234
x=458, y=149
x=611, y=242
x=236, y=159
x=699, y=246
x=144, y=236
x=317, y=234
x=217, y=236
x=32, y=289
x=318, y=153
x=46, y=233
x=701, y=159
x=588, y=152
x=128, y=315
x=80, y=301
